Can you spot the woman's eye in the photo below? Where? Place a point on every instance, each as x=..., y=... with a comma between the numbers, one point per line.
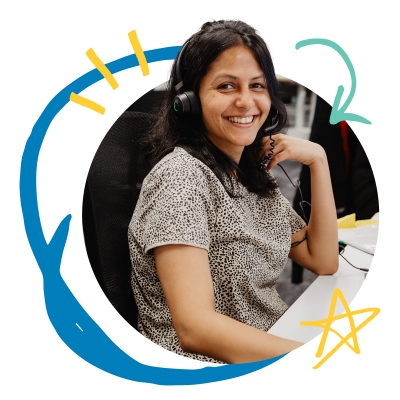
x=225, y=86
x=258, y=86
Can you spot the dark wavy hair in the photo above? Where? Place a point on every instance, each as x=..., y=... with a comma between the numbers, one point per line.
x=170, y=130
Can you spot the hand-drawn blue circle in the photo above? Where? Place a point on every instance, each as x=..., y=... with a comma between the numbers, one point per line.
x=71, y=322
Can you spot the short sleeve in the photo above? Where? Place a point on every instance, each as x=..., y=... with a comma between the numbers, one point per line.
x=296, y=222
x=173, y=207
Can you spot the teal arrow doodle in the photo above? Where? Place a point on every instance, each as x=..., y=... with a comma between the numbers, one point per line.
x=339, y=114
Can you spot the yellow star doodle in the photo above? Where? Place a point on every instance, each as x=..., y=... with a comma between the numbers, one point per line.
x=326, y=325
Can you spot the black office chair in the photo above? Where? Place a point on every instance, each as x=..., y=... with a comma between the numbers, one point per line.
x=111, y=192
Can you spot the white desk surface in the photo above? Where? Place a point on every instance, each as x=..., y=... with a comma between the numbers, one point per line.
x=315, y=302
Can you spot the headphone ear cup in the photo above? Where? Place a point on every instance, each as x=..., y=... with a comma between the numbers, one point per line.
x=181, y=104
x=195, y=107
x=187, y=103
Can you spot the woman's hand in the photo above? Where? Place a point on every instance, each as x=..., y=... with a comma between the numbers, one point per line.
x=291, y=148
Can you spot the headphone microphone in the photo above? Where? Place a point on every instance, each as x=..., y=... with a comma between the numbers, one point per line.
x=185, y=103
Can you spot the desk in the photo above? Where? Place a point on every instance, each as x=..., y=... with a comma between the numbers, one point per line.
x=315, y=302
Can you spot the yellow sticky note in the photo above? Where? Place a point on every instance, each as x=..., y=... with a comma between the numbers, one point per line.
x=349, y=221
x=366, y=222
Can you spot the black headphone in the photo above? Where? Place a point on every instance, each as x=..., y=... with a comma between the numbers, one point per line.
x=186, y=103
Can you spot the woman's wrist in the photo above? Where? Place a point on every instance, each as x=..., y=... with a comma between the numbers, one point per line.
x=320, y=159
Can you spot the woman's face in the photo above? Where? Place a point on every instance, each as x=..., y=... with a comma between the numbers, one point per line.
x=234, y=100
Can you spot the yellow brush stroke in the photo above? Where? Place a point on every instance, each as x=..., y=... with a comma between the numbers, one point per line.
x=108, y=76
x=86, y=103
x=137, y=48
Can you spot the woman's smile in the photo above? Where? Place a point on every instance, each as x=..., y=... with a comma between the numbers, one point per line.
x=244, y=121
x=234, y=100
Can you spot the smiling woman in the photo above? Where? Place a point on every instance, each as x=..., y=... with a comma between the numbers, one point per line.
x=211, y=232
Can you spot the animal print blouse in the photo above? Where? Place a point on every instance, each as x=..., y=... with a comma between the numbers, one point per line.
x=247, y=238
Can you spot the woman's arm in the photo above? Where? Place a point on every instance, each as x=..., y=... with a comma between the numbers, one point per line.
x=319, y=253
x=185, y=276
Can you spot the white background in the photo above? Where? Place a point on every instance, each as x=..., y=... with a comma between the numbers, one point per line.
x=43, y=50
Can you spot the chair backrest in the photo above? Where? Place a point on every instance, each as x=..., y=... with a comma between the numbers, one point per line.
x=111, y=192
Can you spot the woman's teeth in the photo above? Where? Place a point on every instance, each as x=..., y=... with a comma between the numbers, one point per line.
x=238, y=120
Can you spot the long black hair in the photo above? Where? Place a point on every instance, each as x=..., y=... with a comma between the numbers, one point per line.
x=170, y=130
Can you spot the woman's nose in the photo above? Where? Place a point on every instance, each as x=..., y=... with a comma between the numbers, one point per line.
x=245, y=99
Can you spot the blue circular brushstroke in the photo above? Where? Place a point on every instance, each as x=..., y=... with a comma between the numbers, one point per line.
x=71, y=322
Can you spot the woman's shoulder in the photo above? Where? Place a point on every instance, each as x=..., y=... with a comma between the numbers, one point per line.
x=175, y=157
x=181, y=165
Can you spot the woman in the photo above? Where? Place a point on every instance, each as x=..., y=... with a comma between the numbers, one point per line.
x=211, y=232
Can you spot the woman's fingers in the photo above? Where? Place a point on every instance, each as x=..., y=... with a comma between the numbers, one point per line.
x=283, y=147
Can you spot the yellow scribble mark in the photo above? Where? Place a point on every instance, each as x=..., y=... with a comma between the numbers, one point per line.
x=137, y=48
x=108, y=76
x=83, y=101
x=326, y=325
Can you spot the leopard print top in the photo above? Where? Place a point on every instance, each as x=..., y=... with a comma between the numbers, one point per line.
x=247, y=238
